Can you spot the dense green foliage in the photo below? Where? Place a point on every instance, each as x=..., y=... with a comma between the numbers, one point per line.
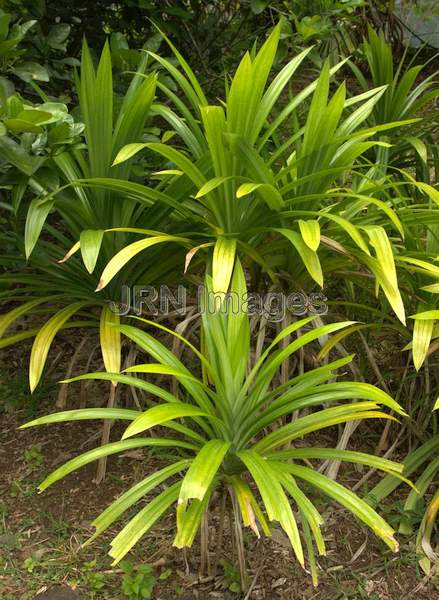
x=211, y=145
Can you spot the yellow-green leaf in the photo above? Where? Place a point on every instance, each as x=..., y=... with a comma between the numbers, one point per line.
x=310, y=231
x=162, y=414
x=308, y=256
x=7, y=319
x=44, y=338
x=427, y=315
x=128, y=152
x=90, y=242
x=123, y=256
x=387, y=278
x=110, y=340
x=422, y=332
x=211, y=185
x=70, y=253
x=203, y=470
x=222, y=264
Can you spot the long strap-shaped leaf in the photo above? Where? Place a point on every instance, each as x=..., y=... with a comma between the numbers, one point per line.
x=152, y=346
x=317, y=375
x=302, y=396
x=340, y=390
x=307, y=509
x=142, y=522
x=156, y=390
x=189, y=519
x=308, y=256
x=110, y=340
x=249, y=506
x=320, y=420
x=346, y=498
x=175, y=334
x=130, y=497
x=161, y=414
x=44, y=338
x=267, y=367
x=274, y=498
x=284, y=333
x=222, y=264
x=151, y=388
x=415, y=459
x=106, y=450
x=422, y=333
x=203, y=470
x=83, y=414
x=422, y=484
x=273, y=92
x=123, y=256
x=7, y=319
x=376, y=462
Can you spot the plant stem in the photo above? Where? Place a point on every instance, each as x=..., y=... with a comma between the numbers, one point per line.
x=239, y=542
x=219, y=541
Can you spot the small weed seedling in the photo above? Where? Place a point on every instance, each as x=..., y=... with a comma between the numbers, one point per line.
x=138, y=582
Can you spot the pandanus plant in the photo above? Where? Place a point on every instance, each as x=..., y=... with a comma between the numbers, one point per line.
x=285, y=184
x=405, y=97
x=418, y=276
x=65, y=290
x=62, y=293
x=229, y=426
